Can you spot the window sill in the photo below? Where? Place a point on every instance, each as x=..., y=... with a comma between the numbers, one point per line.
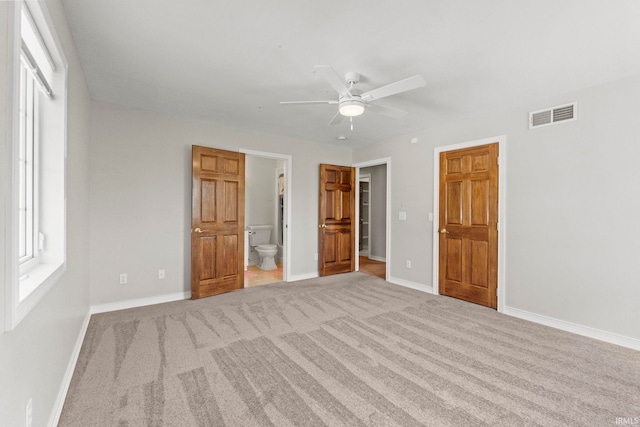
x=33, y=287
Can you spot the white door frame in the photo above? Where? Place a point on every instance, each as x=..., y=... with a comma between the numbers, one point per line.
x=383, y=161
x=287, y=250
x=502, y=190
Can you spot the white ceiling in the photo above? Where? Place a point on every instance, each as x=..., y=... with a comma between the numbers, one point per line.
x=233, y=61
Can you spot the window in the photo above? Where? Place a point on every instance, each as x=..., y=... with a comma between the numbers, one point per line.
x=27, y=171
x=39, y=161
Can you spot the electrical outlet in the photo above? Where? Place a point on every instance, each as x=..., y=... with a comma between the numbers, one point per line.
x=28, y=415
x=407, y=263
x=123, y=279
x=402, y=216
x=160, y=274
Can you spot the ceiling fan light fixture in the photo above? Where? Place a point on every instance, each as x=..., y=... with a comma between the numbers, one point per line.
x=351, y=107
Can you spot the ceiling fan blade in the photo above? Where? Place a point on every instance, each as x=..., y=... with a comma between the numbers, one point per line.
x=334, y=80
x=309, y=102
x=336, y=119
x=387, y=111
x=394, y=88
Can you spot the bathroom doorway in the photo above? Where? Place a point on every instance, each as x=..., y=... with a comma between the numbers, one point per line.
x=267, y=190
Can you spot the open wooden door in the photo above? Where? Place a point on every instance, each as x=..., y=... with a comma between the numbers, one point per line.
x=337, y=219
x=468, y=245
x=217, y=221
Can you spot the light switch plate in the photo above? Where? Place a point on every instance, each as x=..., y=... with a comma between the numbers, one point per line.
x=402, y=216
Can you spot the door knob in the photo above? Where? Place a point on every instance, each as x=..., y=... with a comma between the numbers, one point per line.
x=443, y=231
x=322, y=226
x=197, y=230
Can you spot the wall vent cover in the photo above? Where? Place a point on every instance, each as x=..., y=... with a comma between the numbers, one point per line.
x=553, y=115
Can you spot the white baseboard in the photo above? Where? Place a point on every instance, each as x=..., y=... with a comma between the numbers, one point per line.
x=575, y=328
x=140, y=302
x=413, y=285
x=296, y=277
x=66, y=379
x=378, y=258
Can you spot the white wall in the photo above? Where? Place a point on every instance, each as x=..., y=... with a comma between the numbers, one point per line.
x=141, y=197
x=35, y=356
x=260, y=192
x=571, y=202
x=411, y=170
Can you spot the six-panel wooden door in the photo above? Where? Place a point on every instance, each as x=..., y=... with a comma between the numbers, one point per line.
x=468, y=220
x=337, y=219
x=217, y=221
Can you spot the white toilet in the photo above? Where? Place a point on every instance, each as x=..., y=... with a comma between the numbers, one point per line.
x=259, y=238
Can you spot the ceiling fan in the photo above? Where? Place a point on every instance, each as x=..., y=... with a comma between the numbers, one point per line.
x=351, y=103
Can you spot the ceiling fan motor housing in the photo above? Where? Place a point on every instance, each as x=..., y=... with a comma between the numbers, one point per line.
x=351, y=106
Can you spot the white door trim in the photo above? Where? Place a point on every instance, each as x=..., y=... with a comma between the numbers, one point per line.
x=288, y=167
x=383, y=161
x=502, y=223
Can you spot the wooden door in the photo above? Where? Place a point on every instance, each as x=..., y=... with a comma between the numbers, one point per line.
x=337, y=219
x=217, y=221
x=468, y=242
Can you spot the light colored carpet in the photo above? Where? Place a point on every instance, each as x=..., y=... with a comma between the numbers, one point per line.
x=346, y=350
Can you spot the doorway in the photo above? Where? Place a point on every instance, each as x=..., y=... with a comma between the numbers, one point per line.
x=469, y=219
x=365, y=214
x=268, y=189
x=373, y=209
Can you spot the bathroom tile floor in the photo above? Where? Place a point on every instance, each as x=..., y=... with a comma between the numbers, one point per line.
x=255, y=276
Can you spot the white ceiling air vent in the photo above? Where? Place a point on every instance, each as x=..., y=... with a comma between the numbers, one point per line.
x=553, y=115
